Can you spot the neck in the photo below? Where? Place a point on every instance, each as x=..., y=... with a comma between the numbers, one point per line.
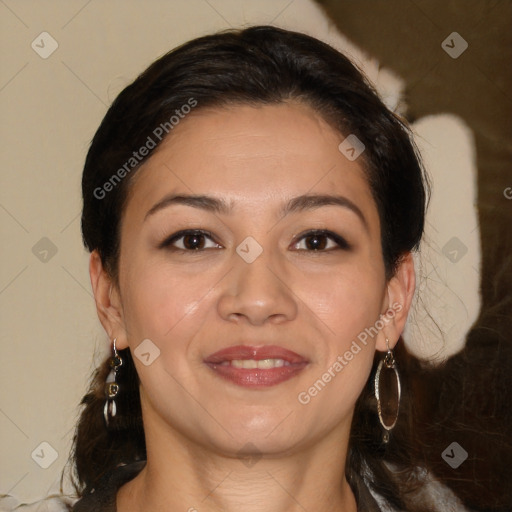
x=184, y=476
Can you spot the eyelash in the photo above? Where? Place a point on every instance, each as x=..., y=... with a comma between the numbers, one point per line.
x=167, y=243
x=337, y=239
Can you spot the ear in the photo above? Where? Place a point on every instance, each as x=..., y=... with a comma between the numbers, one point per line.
x=108, y=301
x=400, y=292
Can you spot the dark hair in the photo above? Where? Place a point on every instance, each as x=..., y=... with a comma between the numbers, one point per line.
x=256, y=66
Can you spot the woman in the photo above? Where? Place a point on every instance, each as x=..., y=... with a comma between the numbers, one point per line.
x=251, y=207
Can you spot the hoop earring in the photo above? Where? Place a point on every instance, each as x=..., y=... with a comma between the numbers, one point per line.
x=111, y=385
x=389, y=362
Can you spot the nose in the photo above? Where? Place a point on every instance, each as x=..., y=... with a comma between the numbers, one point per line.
x=256, y=294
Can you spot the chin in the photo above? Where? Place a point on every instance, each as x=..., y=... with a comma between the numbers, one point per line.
x=263, y=432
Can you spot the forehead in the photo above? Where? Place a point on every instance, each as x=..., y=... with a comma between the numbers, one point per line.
x=252, y=155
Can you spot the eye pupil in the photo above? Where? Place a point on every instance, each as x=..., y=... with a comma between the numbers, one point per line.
x=194, y=241
x=316, y=242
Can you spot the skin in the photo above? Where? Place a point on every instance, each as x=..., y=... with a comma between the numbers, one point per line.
x=191, y=304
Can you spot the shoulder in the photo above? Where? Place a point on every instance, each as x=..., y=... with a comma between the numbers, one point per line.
x=49, y=504
x=103, y=497
x=440, y=497
x=432, y=495
x=99, y=499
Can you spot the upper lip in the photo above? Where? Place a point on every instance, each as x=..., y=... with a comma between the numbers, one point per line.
x=254, y=352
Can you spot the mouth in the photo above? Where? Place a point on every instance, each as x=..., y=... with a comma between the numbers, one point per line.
x=256, y=367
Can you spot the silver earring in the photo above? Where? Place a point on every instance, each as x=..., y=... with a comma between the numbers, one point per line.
x=387, y=363
x=111, y=385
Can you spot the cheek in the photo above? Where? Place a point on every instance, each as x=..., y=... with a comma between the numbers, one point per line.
x=158, y=300
x=348, y=300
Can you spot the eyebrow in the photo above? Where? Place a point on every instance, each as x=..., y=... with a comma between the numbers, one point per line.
x=208, y=203
x=311, y=202
x=296, y=204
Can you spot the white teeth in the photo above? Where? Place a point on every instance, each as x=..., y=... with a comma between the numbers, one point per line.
x=263, y=364
x=270, y=363
x=244, y=363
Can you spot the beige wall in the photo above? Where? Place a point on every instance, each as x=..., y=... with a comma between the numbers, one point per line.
x=50, y=110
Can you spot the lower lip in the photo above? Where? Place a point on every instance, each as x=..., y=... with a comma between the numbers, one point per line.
x=257, y=378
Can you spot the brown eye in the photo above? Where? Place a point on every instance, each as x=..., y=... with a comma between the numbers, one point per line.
x=193, y=242
x=190, y=240
x=315, y=242
x=320, y=241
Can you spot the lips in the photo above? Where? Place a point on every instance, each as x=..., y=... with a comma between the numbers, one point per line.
x=254, y=367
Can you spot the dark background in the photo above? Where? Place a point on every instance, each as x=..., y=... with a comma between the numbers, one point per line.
x=468, y=399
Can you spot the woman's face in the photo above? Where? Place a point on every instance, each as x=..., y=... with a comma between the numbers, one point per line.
x=251, y=259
